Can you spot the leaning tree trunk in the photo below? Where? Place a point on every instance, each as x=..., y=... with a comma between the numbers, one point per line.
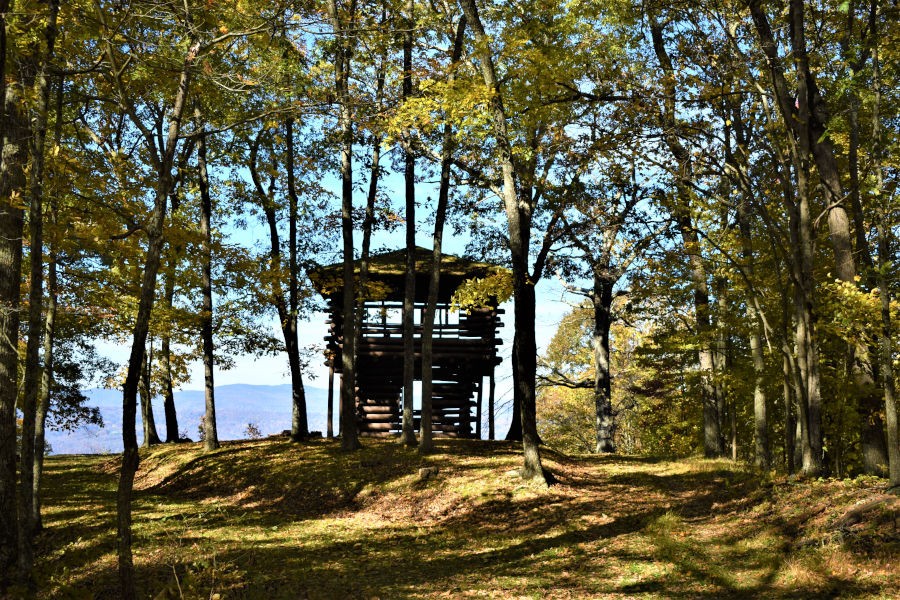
x=299, y=430
x=156, y=241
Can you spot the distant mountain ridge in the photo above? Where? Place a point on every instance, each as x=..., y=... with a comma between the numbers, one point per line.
x=268, y=407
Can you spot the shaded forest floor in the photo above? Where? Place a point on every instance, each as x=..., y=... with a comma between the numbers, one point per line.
x=271, y=519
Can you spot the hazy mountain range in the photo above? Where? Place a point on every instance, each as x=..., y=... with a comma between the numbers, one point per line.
x=268, y=407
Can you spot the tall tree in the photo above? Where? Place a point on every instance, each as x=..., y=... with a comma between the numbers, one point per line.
x=13, y=181
x=426, y=443
x=341, y=21
x=805, y=117
x=210, y=429
x=287, y=308
x=162, y=156
x=145, y=391
x=608, y=234
x=519, y=210
x=165, y=352
x=35, y=294
x=299, y=423
x=408, y=435
x=682, y=212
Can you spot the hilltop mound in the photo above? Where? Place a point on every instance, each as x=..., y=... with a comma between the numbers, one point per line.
x=271, y=519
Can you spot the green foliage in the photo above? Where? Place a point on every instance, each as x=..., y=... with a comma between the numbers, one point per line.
x=566, y=419
x=478, y=292
x=570, y=351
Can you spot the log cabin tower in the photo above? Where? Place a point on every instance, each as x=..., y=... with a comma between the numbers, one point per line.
x=464, y=350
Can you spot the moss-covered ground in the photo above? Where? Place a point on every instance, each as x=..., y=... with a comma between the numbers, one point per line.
x=271, y=519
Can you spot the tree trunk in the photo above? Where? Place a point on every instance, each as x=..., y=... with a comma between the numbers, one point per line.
x=806, y=339
x=526, y=364
x=11, y=226
x=372, y=195
x=863, y=368
x=720, y=367
x=514, y=434
x=164, y=161
x=299, y=423
x=426, y=443
x=602, y=302
x=408, y=435
x=329, y=431
x=492, y=388
x=13, y=183
x=165, y=358
x=211, y=433
x=287, y=316
x=712, y=429
x=146, y=393
x=518, y=215
x=887, y=353
x=35, y=303
x=805, y=117
x=762, y=456
x=130, y=456
x=43, y=406
x=885, y=257
x=796, y=113
x=790, y=422
x=349, y=424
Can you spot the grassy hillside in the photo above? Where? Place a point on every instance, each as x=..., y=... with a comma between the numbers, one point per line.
x=269, y=519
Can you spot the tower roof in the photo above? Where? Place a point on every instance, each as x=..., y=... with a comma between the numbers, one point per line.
x=388, y=270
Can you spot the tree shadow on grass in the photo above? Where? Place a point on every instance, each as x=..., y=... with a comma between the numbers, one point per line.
x=595, y=535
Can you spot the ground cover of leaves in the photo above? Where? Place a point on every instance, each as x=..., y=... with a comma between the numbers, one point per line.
x=272, y=519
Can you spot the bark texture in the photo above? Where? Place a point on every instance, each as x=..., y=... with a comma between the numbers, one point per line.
x=299, y=420
x=211, y=432
x=519, y=216
x=349, y=424
x=13, y=181
x=408, y=434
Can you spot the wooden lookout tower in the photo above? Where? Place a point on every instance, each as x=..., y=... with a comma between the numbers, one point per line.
x=464, y=350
